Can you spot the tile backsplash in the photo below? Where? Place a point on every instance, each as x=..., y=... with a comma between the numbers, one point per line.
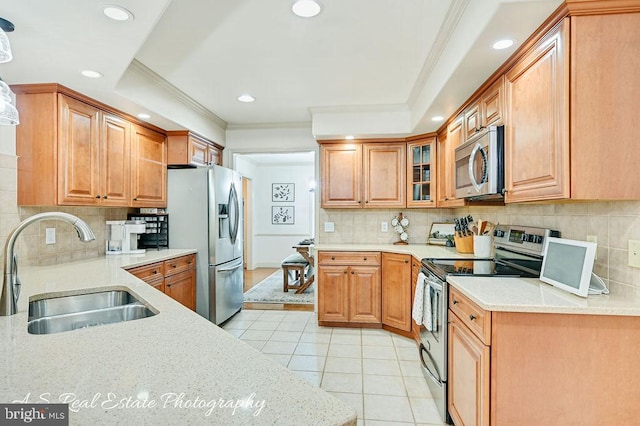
x=614, y=223
x=30, y=246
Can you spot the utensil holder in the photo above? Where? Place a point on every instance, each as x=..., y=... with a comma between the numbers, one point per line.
x=482, y=245
x=464, y=244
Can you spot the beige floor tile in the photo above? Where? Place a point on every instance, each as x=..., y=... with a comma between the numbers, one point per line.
x=368, y=340
x=286, y=336
x=285, y=348
x=383, y=385
x=314, y=328
x=425, y=411
x=375, y=332
x=281, y=358
x=258, y=344
x=379, y=352
x=384, y=423
x=317, y=349
x=301, y=316
x=346, y=339
x=263, y=325
x=344, y=365
x=340, y=382
x=384, y=367
x=315, y=337
x=401, y=341
x=313, y=377
x=353, y=400
x=236, y=333
x=276, y=316
x=388, y=408
x=411, y=368
x=345, y=351
x=307, y=363
x=238, y=324
x=343, y=330
x=406, y=353
x=256, y=335
x=290, y=326
x=417, y=387
x=247, y=315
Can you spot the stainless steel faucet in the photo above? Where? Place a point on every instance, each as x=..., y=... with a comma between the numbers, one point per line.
x=11, y=282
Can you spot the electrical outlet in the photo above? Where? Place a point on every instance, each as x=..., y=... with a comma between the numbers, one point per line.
x=593, y=239
x=384, y=226
x=634, y=253
x=50, y=236
x=329, y=227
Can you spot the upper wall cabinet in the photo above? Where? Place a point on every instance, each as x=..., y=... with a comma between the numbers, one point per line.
x=421, y=172
x=448, y=141
x=486, y=110
x=537, y=134
x=363, y=175
x=148, y=168
x=74, y=152
x=189, y=149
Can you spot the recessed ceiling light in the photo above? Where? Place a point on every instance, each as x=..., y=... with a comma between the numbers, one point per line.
x=117, y=13
x=437, y=118
x=306, y=8
x=503, y=44
x=349, y=137
x=144, y=116
x=91, y=74
x=246, y=98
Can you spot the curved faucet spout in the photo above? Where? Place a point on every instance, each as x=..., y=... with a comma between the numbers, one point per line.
x=11, y=283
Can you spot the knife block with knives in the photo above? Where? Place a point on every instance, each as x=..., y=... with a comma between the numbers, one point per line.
x=464, y=244
x=465, y=229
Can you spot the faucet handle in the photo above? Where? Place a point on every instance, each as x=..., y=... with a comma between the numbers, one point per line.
x=17, y=284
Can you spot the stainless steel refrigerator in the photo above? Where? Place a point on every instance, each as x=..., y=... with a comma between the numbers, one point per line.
x=205, y=212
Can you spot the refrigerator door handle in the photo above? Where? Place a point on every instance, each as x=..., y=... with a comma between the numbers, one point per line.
x=231, y=267
x=234, y=214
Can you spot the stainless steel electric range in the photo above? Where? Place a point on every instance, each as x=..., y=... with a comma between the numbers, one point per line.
x=518, y=253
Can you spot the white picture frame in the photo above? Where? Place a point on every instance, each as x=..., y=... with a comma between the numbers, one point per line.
x=283, y=215
x=568, y=264
x=283, y=192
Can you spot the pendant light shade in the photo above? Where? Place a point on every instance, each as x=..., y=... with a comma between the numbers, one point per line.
x=8, y=112
x=5, y=47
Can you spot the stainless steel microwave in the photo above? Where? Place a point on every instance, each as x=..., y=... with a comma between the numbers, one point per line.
x=479, y=168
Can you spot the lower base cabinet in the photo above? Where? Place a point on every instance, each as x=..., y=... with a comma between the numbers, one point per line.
x=174, y=277
x=539, y=369
x=349, y=289
x=396, y=291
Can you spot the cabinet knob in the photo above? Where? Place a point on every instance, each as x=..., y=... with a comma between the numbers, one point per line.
x=97, y=196
x=359, y=201
x=455, y=302
x=352, y=272
x=105, y=197
x=333, y=258
x=135, y=199
x=365, y=258
x=345, y=271
x=155, y=272
x=472, y=317
x=446, y=198
x=168, y=285
x=406, y=261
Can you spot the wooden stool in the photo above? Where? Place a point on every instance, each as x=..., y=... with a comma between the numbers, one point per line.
x=294, y=266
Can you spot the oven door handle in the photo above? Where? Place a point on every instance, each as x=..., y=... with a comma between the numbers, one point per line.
x=436, y=285
x=426, y=367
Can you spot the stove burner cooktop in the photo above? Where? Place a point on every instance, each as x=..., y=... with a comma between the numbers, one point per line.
x=475, y=267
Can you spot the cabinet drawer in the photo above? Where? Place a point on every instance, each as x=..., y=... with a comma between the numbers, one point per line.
x=349, y=258
x=149, y=273
x=477, y=319
x=179, y=264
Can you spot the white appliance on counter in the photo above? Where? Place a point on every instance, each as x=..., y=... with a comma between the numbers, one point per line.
x=205, y=207
x=122, y=236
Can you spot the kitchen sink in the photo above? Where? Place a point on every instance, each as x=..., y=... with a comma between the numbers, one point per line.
x=65, y=313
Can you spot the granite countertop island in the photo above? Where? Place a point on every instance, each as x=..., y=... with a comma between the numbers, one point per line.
x=171, y=368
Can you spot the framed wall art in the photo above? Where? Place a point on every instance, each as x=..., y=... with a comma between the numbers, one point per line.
x=282, y=215
x=283, y=192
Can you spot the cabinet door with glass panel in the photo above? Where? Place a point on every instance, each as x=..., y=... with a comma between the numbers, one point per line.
x=421, y=172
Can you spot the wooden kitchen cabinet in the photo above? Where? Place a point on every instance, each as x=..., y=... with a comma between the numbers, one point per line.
x=73, y=150
x=349, y=292
x=175, y=277
x=148, y=168
x=448, y=141
x=421, y=172
x=499, y=360
x=485, y=111
x=186, y=148
x=396, y=291
x=537, y=134
x=363, y=175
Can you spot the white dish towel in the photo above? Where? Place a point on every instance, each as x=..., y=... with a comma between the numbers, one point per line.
x=421, y=311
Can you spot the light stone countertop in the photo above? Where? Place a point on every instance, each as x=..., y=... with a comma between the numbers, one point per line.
x=533, y=295
x=513, y=294
x=172, y=368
